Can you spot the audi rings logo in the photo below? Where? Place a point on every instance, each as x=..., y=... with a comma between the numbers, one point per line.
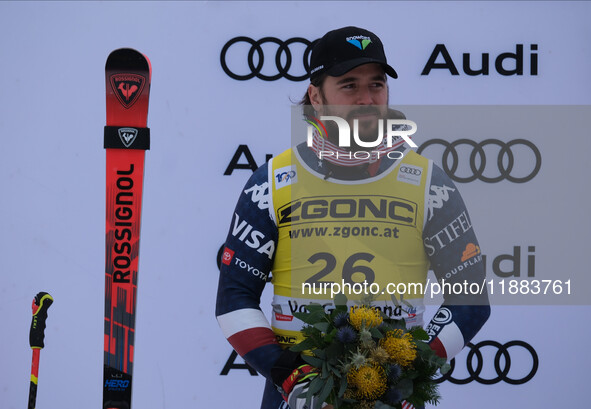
x=505, y=160
x=411, y=171
x=502, y=367
x=284, y=58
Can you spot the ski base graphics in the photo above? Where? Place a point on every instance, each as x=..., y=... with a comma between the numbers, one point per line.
x=126, y=137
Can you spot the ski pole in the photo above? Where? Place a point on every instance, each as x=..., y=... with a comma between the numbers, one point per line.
x=41, y=303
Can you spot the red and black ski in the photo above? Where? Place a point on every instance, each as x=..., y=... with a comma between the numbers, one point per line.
x=126, y=138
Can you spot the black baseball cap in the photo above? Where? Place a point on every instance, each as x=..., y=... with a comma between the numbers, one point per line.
x=341, y=50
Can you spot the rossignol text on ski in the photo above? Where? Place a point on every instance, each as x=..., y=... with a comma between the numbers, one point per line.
x=126, y=138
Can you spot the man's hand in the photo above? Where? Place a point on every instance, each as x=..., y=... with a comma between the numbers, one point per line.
x=297, y=384
x=296, y=402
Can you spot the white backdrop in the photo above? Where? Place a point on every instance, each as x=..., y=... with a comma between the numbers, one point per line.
x=52, y=58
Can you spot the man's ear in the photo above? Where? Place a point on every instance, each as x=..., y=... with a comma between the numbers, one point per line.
x=315, y=97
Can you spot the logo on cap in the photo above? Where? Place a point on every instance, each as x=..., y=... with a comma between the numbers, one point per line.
x=359, y=41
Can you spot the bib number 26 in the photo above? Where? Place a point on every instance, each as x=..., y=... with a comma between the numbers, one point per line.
x=352, y=266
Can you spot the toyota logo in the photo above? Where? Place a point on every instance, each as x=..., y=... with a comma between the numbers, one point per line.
x=504, y=167
x=283, y=59
x=502, y=367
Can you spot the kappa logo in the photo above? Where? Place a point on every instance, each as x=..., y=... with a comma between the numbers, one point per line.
x=436, y=200
x=259, y=195
x=359, y=41
x=127, y=136
x=127, y=88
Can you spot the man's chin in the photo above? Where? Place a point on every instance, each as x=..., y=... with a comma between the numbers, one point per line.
x=367, y=118
x=370, y=134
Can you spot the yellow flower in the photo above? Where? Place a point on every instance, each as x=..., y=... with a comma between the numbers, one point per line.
x=364, y=315
x=400, y=347
x=369, y=381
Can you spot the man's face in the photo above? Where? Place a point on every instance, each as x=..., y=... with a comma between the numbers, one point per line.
x=360, y=94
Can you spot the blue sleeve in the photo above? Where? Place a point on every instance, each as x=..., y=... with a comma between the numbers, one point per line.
x=245, y=266
x=455, y=255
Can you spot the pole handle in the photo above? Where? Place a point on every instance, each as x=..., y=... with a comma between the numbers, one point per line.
x=41, y=304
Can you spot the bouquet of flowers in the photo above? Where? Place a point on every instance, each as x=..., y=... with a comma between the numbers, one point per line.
x=367, y=360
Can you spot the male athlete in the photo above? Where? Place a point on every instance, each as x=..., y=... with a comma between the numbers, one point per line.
x=317, y=215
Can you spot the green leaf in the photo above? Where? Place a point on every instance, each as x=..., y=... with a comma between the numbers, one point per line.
x=315, y=385
x=405, y=388
x=325, y=371
x=340, y=300
x=330, y=336
x=334, y=351
x=321, y=326
x=315, y=362
x=339, y=309
x=303, y=346
x=423, y=347
x=398, y=324
x=310, y=318
x=326, y=390
x=342, y=387
x=376, y=333
x=310, y=332
x=304, y=316
x=305, y=395
x=437, y=361
x=385, y=327
x=314, y=307
x=412, y=374
x=420, y=334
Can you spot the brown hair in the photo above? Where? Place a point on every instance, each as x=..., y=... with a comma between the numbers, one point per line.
x=305, y=102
